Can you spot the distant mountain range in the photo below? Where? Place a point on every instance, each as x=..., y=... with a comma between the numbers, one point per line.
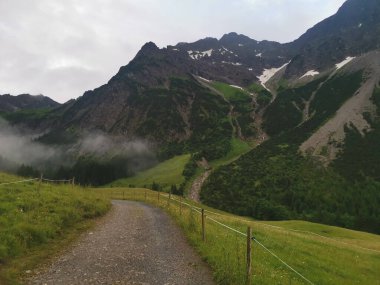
x=9, y=103
x=312, y=103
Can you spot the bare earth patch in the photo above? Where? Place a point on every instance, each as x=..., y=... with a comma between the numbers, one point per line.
x=134, y=244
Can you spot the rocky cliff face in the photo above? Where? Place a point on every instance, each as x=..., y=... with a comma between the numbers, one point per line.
x=352, y=31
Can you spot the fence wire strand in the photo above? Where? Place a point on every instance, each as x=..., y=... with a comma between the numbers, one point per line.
x=20, y=181
x=245, y=235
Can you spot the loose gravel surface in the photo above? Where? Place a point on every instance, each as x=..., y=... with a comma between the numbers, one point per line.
x=134, y=244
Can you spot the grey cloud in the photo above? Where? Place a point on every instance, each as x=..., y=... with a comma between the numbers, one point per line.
x=22, y=148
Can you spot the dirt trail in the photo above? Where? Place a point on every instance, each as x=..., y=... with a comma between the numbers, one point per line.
x=134, y=244
x=196, y=187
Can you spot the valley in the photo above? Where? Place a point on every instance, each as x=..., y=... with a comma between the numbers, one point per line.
x=220, y=134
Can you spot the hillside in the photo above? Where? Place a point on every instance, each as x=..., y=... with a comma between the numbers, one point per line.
x=9, y=103
x=40, y=218
x=309, y=106
x=321, y=254
x=283, y=183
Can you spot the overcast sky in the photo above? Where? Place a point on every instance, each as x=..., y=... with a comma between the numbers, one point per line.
x=61, y=48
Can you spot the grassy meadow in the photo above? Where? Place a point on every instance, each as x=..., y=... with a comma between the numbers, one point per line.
x=166, y=174
x=238, y=148
x=322, y=254
x=169, y=172
x=37, y=219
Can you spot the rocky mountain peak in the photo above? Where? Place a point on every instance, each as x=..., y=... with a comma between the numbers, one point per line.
x=234, y=38
x=148, y=48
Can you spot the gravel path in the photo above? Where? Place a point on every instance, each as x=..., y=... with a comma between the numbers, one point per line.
x=134, y=244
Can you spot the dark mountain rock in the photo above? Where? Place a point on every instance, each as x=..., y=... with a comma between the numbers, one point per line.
x=352, y=31
x=9, y=103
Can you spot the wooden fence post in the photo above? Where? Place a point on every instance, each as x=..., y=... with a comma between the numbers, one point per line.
x=39, y=183
x=170, y=197
x=249, y=255
x=180, y=205
x=73, y=182
x=203, y=226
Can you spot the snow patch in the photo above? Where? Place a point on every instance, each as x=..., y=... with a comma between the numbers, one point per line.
x=238, y=87
x=344, y=62
x=240, y=45
x=268, y=74
x=233, y=63
x=175, y=49
x=204, y=79
x=226, y=50
x=199, y=54
x=259, y=54
x=207, y=52
x=360, y=25
x=310, y=73
x=250, y=69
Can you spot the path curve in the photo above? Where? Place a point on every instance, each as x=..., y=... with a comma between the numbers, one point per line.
x=196, y=187
x=134, y=244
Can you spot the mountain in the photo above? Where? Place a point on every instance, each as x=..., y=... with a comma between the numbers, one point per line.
x=306, y=108
x=9, y=103
x=352, y=31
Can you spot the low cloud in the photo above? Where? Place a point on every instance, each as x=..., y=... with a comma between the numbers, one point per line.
x=20, y=148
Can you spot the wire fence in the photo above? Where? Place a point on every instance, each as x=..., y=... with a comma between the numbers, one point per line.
x=288, y=229
x=244, y=235
x=19, y=181
x=213, y=219
x=41, y=179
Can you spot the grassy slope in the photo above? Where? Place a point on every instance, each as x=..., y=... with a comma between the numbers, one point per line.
x=331, y=255
x=238, y=148
x=230, y=92
x=166, y=173
x=241, y=101
x=37, y=220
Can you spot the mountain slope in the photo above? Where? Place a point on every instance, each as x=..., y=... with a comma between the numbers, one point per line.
x=352, y=31
x=9, y=103
x=284, y=184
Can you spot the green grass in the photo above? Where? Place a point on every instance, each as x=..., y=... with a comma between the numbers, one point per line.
x=238, y=148
x=243, y=107
x=166, y=174
x=170, y=171
x=229, y=92
x=35, y=217
x=344, y=257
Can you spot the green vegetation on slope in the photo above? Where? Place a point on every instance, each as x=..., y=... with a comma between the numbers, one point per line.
x=180, y=170
x=185, y=118
x=264, y=97
x=165, y=174
x=238, y=148
x=284, y=185
x=286, y=111
x=275, y=182
x=33, y=215
x=27, y=115
x=242, y=103
x=323, y=254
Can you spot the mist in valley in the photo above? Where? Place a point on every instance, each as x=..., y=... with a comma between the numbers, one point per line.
x=94, y=154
